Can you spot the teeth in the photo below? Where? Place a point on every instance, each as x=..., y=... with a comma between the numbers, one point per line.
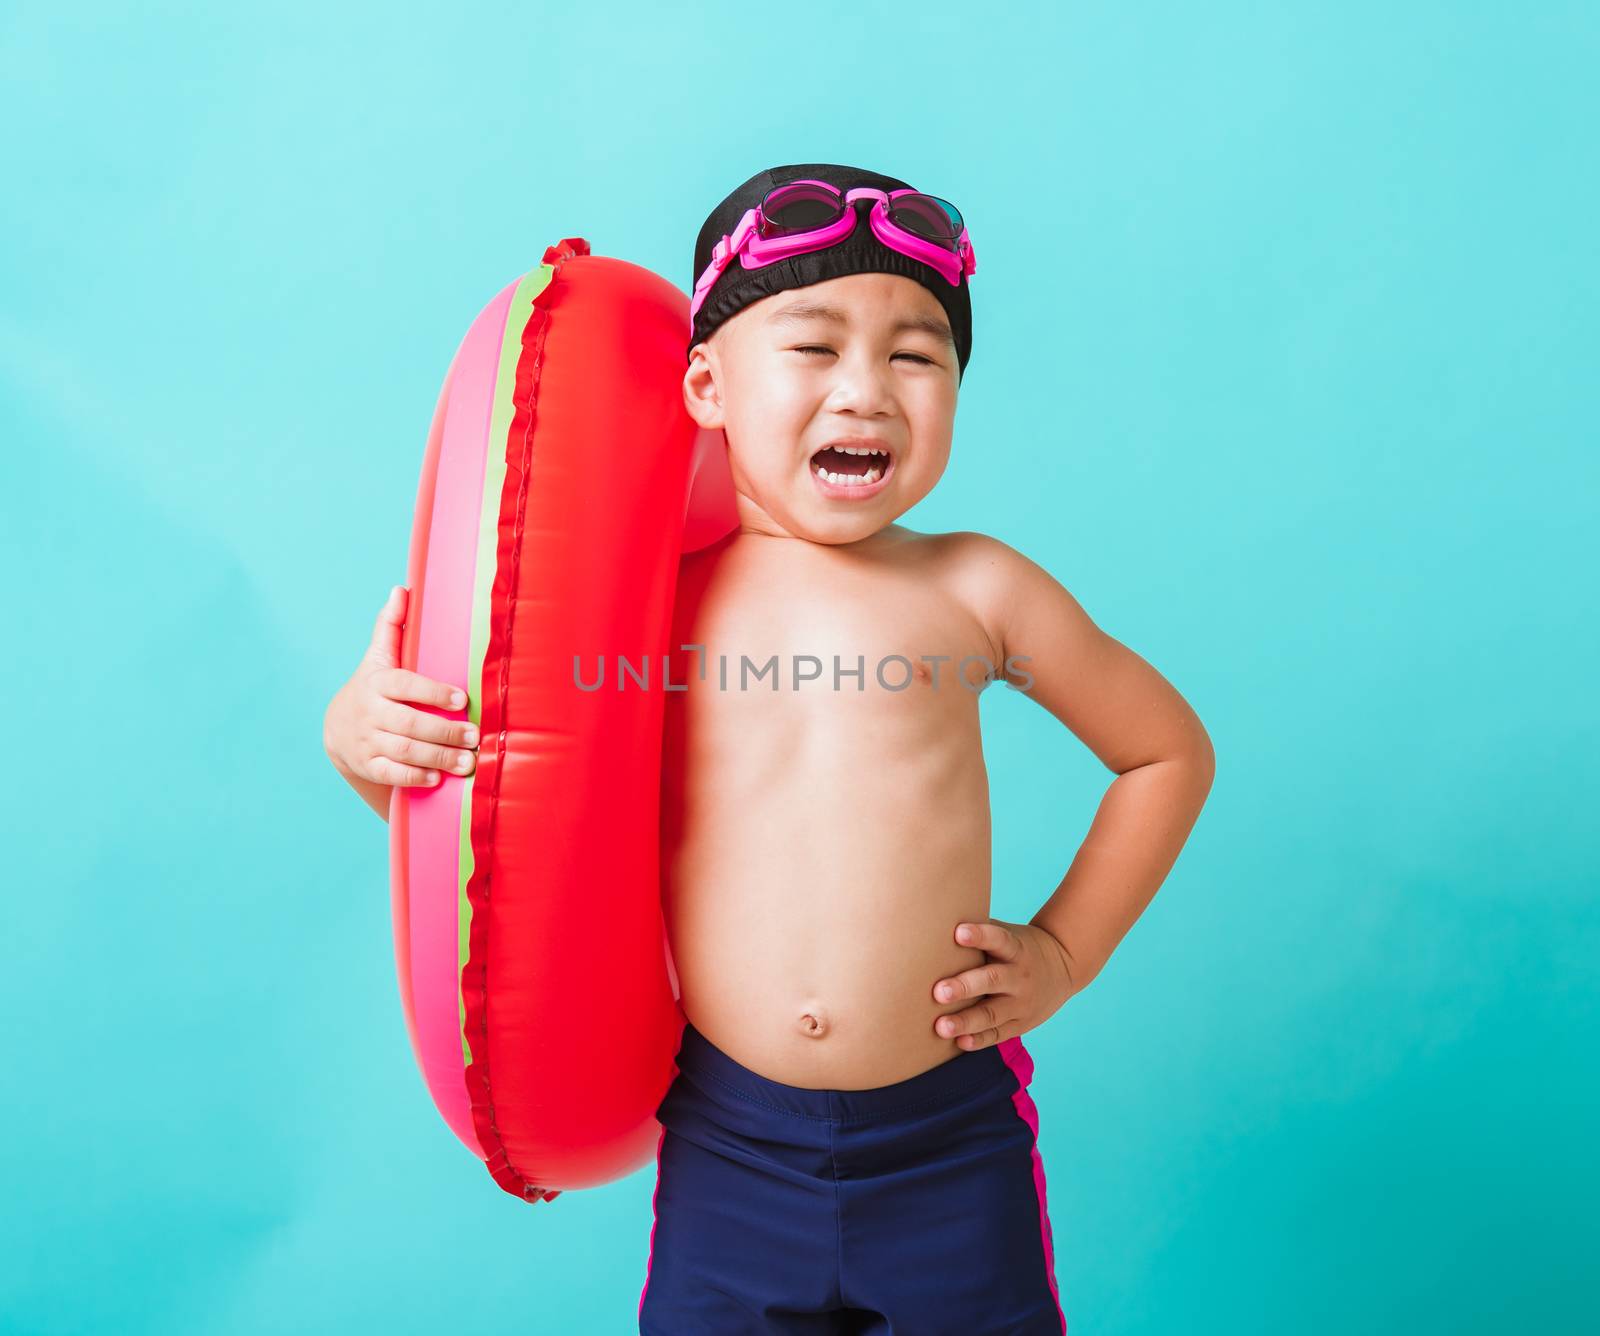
x=849, y=479
x=872, y=474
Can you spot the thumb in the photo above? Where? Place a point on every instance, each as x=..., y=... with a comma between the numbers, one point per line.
x=385, y=647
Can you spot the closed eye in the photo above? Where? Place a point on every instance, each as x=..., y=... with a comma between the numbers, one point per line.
x=820, y=348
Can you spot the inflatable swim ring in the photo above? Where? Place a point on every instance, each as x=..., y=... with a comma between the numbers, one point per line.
x=562, y=480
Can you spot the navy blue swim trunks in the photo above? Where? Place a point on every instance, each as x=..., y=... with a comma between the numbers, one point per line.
x=911, y=1209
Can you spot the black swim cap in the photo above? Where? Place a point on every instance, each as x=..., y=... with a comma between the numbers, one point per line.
x=859, y=253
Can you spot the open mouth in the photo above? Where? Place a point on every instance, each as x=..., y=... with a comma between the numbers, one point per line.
x=850, y=466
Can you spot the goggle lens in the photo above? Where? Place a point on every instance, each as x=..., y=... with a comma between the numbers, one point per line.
x=928, y=217
x=799, y=208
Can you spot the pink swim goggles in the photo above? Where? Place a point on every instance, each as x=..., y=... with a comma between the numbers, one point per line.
x=801, y=216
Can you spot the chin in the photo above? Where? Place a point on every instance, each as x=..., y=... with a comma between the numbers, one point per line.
x=836, y=530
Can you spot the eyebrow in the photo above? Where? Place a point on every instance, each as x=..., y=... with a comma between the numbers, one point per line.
x=797, y=313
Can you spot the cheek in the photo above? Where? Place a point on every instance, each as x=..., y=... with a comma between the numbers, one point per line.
x=933, y=425
x=787, y=402
x=772, y=426
x=930, y=458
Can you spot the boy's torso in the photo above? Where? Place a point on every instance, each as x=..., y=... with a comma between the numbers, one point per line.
x=819, y=845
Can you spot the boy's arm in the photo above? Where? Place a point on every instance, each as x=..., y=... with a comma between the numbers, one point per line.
x=375, y=795
x=1130, y=717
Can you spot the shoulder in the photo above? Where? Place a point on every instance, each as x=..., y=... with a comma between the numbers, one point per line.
x=1022, y=605
x=960, y=549
x=978, y=552
x=990, y=577
x=976, y=564
x=984, y=566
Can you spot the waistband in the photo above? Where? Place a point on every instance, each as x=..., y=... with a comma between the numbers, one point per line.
x=969, y=1070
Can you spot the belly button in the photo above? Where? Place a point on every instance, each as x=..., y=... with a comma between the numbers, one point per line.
x=812, y=1025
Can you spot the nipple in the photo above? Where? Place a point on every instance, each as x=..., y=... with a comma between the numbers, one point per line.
x=812, y=1026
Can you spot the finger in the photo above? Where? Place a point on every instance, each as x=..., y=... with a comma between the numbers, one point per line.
x=386, y=770
x=995, y=938
x=398, y=717
x=984, y=1038
x=385, y=646
x=403, y=684
x=989, y=977
x=983, y=1014
x=413, y=752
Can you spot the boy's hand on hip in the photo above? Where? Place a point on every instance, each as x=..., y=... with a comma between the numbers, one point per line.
x=1022, y=984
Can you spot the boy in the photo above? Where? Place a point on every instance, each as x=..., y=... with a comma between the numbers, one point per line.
x=849, y=1144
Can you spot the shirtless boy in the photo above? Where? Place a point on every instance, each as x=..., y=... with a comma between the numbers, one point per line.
x=849, y=1145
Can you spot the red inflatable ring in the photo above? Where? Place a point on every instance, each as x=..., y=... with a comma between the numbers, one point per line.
x=563, y=478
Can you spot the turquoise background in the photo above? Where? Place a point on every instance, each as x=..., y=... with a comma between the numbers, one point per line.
x=1284, y=364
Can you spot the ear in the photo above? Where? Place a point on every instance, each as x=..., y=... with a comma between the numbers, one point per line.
x=701, y=395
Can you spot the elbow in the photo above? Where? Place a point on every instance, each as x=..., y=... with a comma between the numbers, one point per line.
x=1203, y=761
x=1196, y=759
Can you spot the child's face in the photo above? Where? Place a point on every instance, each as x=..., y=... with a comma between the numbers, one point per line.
x=783, y=386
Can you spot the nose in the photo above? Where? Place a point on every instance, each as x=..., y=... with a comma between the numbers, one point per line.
x=860, y=384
